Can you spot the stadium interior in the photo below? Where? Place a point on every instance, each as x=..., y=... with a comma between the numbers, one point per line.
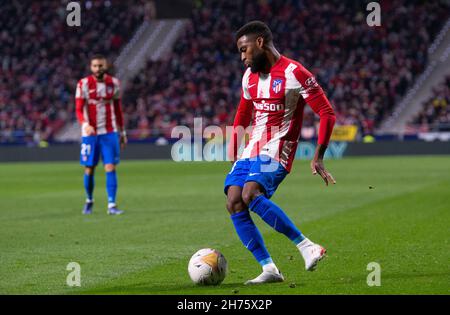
x=176, y=69
x=109, y=209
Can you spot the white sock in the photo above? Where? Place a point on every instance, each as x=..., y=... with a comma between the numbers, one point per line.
x=89, y=200
x=110, y=205
x=271, y=267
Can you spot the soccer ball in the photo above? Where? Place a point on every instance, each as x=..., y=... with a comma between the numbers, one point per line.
x=207, y=267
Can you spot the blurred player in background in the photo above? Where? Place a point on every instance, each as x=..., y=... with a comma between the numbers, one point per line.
x=277, y=89
x=99, y=112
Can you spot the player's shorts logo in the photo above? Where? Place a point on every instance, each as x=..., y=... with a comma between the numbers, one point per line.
x=276, y=85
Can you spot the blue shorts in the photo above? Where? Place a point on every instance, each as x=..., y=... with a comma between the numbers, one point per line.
x=265, y=171
x=106, y=145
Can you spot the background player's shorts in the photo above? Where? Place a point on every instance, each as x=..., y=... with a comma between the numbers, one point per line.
x=106, y=145
x=265, y=171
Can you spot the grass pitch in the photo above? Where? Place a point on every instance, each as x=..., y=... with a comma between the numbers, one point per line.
x=394, y=211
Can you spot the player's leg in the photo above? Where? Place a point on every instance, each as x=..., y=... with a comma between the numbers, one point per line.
x=89, y=156
x=253, y=196
x=89, y=184
x=244, y=225
x=111, y=156
x=260, y=185
x=111, y=184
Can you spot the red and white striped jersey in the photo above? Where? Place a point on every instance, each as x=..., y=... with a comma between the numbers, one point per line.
x=99, y=104
x=277, y=100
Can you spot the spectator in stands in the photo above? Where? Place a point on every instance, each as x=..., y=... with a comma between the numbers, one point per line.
x=366, y=70
x=435, y=114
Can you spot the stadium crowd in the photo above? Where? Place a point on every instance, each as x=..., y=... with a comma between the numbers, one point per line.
x=435, y=115
x=42, y=58
x=364, y=70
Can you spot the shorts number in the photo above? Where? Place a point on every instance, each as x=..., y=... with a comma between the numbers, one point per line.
x=85, y=149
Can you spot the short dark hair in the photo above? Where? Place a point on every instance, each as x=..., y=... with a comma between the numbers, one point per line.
x=257, y=28
x=97, y=56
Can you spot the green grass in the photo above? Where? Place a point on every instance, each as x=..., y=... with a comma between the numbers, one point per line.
x=174, y=209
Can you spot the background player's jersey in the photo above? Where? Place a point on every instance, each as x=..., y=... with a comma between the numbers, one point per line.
x=278, y=101
x=99, y=104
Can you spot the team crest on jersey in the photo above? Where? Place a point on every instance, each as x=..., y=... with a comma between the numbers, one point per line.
x=276, y=85
x=109, y=90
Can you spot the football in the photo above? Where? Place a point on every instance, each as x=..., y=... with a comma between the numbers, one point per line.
x=207, y=267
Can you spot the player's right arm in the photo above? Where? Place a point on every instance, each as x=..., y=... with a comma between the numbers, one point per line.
x=80, y=103
x=242, y=120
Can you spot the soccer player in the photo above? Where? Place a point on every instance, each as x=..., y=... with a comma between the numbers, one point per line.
x=276, y=89
x=99, y=112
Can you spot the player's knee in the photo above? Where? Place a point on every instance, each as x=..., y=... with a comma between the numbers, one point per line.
x=235, y=204
x=248, y=195
x=109, y=167
x=89, y=170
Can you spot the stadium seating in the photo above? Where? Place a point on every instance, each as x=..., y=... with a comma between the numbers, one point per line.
x=364, y=70
x=435, y=115
x=42, y=58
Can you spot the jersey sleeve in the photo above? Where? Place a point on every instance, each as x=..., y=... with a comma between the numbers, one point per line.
x=314, y=96
x=117, y=100
x=80, y=100
x=245, y=93
x=242, y=120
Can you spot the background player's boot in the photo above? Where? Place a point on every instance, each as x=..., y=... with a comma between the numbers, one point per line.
x=312, y=253
x=113, y=210
x=88, y=206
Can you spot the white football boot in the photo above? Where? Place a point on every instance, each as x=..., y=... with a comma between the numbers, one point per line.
x=270, y=274
x=312, y=253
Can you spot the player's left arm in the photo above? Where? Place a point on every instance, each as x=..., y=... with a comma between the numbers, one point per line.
x=117, y=100
x=317, y=100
